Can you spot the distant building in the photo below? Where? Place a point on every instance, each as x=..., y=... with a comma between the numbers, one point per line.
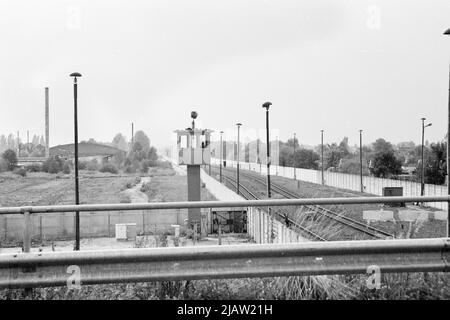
x=86, y=151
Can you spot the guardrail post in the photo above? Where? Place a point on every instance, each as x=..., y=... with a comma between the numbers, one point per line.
x=26, y=231
x=220, y=234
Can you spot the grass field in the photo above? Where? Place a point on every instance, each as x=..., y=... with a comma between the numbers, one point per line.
x=48, y=189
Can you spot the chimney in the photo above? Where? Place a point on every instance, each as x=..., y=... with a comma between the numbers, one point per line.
x=47, y=132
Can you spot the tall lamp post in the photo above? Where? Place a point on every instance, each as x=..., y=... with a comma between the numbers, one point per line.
x=267, y=105
x=221, y=156
x=295, y=174
x=361, y=160
x=422, y=179
x=321, y=142
x=238, y=147
x=447, y=32
x=75, y=75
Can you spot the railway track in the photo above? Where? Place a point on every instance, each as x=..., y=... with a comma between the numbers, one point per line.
x=283, y=214
x=346, y=221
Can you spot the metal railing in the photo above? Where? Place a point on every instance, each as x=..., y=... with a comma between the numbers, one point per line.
x=307, y=258
x=215, y=262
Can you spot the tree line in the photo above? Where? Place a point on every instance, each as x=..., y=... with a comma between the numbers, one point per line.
x=137, y=157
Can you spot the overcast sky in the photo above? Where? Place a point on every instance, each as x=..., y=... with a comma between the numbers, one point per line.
x=338, y=65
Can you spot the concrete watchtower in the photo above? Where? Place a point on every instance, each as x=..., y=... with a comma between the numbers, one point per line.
x=193, y=147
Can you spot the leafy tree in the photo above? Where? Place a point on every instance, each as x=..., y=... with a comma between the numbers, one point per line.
x=381, y=146
x=435, y=164
x=120, y=142
x=141, y=138
x=10, y=158
x=386, y=164
x=353, y=166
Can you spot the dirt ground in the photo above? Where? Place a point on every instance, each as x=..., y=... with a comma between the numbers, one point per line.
x=48, y=189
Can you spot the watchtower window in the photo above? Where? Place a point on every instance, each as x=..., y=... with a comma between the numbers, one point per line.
x=183, y=142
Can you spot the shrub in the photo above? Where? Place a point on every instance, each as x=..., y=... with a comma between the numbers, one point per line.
x=3, y=165
x=52, y=165
x=82, y=165
x=109, y=167
x=10, y=158
x=35, y=167
x=92, y=165
x=145, y=164
x=66, y=168
x=21, y=172
x=130, y=169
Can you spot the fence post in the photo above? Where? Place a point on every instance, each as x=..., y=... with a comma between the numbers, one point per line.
x=26, y=231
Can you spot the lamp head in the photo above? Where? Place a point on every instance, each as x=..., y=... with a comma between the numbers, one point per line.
x=447, y=32
x=75, y=74
x=239, y=124
x=194, y=114
x=267, y=105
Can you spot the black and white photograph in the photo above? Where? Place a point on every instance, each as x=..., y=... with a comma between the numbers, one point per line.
x=224, y=158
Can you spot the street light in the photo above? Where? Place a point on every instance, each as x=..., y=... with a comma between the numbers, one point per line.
x=267, y=105
x=422, y=183
x=295, y=175
x=447, y=32
x=75, y=75
x=221, y=156
x=321, y=137
x=361, y=160
x=238, y=147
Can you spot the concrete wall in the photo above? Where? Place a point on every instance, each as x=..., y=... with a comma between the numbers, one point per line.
x=52, y=226
x=372, y=185
x=259, y=227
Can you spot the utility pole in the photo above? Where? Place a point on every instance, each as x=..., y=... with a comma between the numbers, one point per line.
x=295, y=174
x=18, y=144
x=361, y=160
x=221, y=156
x=447, y=32
x=77, y=195
x=132, y=135
x=422, y=179
x=238, y=153
x=47, y=124
x=321, y=131
x=267, y=105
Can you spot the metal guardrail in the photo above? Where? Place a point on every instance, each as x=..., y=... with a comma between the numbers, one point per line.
x=218, y=204
x=44, y=269
x=29, y=210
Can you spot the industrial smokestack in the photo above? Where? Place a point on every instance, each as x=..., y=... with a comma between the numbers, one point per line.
x=47, y=131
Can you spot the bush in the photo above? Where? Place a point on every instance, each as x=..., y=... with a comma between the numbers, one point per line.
x=21, y=172
x=66, y=168
x=10, y=158
x=35, y=167
x=145, y=164
x=130, y=169
x=3, y=165
x=52, y=165
x=109, y=167
x=82, y=165
x=92, y=165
